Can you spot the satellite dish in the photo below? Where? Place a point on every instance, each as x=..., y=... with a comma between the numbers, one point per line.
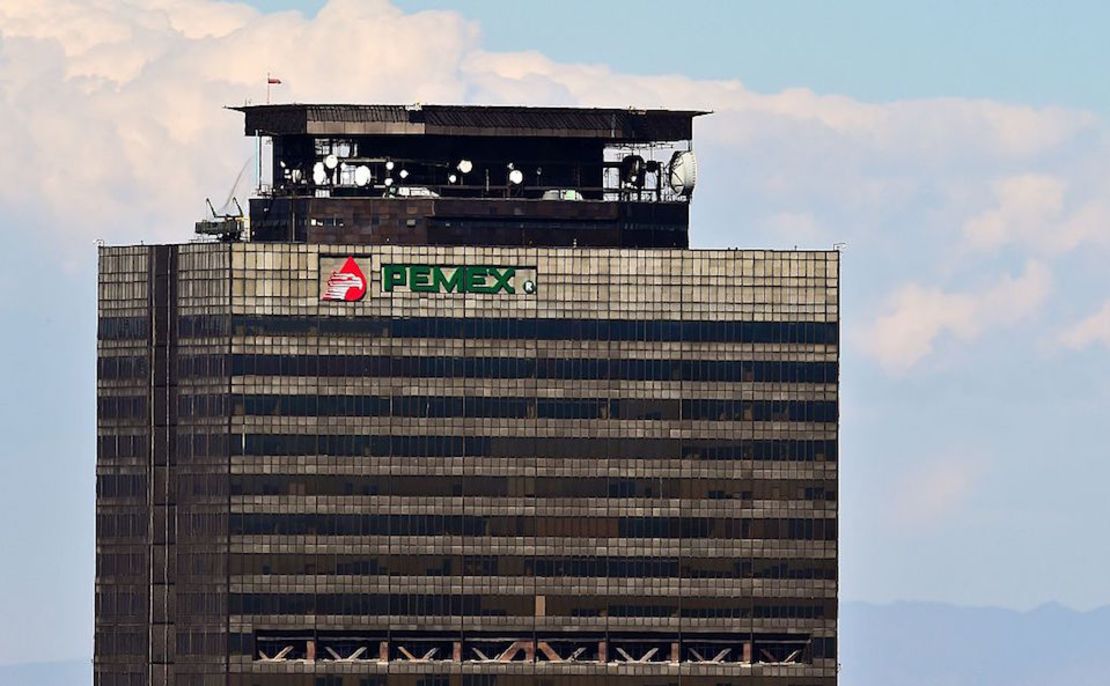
x=319, y=175
x=516, y=177
x=362, y=175
x=389, y=165
x=465, y=166
x=683, y=173
x=331, y=161
x=404, y=174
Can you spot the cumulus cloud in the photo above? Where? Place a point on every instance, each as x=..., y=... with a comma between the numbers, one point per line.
x=1031, y=209
x=916, y=316
x=1092, y=330
x=1025, y=204
x=113, y=124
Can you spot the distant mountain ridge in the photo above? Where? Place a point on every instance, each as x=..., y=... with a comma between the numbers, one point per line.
x=65, y=673
x=900, y=644
x=932, y=644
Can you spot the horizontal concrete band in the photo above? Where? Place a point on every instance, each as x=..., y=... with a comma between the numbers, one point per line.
x=540, y=545
x=529, y=624
x=753, y=589
x=542, y=428
x=537, y=467
x=530, y=506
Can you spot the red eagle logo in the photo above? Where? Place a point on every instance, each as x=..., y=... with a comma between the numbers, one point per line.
x=346, y=284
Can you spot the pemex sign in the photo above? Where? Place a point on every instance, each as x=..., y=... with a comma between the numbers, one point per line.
x=482, y=278
x=343, y=280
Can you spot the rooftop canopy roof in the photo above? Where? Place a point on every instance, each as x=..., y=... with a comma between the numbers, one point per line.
x=610, y=125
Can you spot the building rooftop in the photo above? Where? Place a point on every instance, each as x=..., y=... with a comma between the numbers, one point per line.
x=599, y=124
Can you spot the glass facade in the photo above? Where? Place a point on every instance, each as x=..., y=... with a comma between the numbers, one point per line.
x=626, y=474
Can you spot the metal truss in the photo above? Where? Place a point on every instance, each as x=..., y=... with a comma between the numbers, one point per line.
x=645, y=650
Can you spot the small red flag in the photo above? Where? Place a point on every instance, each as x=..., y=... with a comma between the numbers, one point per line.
x=273, y=80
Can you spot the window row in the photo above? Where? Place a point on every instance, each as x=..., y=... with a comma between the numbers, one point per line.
x=489, y=407
x=123, y=367
x=242, y=524
x=345, y=366
x=539, y=328
x=112, y=446
x=131, y=524
x=353, y=445
x=120, y=602
x=111, y=641
x=190, y=444
x=531, y=566
x=121, y=485
x=516, y=606
x=122, y=407
x=510, y=486
x=122, y=328
x=515, y=328
x=132, y=562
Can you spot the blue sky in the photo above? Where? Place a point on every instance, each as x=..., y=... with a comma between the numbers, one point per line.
x=959, y=149
x=1027, y=52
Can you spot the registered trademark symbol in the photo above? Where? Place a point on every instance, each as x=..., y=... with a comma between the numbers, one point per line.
x=529, y=287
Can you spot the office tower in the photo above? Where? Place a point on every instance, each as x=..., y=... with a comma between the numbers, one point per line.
x=457, y=404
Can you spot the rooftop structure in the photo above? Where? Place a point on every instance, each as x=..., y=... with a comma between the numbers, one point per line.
x=465, y=175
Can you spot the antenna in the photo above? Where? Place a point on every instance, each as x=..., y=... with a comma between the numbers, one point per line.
x=225, y=226
x=235, y=184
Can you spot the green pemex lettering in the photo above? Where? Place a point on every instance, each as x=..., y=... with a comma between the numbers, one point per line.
x=393, y=275
x=426, y=278
x=420, y=278
x=448, y=284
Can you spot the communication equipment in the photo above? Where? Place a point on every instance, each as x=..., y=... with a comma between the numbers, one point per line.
x=562, y=194
x=319, y=174
x=415, y=192
x=226, y=227
x=683, y=173
x=632, y=171
x=362, y=175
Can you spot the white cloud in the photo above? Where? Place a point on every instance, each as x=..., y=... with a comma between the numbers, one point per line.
x=1025, y=204
x=1092, y=330
x=1033, y=209
x=916, y=316
x=114, y=128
